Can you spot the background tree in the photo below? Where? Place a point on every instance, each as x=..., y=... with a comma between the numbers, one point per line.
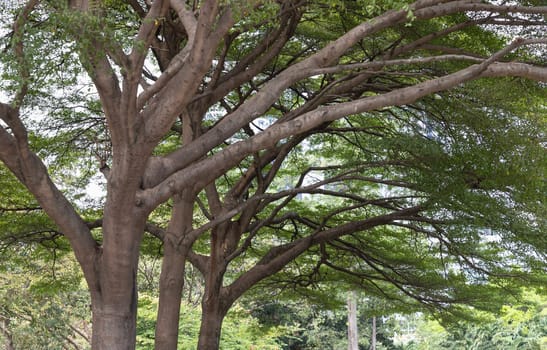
x=289, y=142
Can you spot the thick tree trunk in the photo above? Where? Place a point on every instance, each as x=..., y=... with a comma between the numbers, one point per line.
x=114, y=326
x=214, y=305
x=175, y=249
x=211, y=324
x=114, y=307
x=171, y=284
x=114, y=296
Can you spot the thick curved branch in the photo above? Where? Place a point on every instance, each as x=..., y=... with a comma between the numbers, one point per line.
x=515, y=69
x=176, y=63
x=108, y=88
x=396, y=62
x=145, y=36
x=186, y=17
x=475, y=6
x=278, y=257
x=162, y=110
x=30, y=170
x=205, y=171
x=159, y=169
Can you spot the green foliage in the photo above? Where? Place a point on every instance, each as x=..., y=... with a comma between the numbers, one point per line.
x=521, y=326
x=22, y=221
x=240, y=331
x=482, y=170
x=311, y=326
x=323, y=325
x=473, y=156
x=317, y=326
x=43, y=301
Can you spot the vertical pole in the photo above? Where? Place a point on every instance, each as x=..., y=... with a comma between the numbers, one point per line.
x=373, y=335
x=353, y=341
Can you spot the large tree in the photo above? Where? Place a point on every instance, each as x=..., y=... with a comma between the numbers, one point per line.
x=398, y=144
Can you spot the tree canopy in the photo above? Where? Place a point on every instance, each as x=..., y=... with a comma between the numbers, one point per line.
x=302, y=146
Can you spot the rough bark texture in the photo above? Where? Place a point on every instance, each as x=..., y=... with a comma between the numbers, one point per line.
x=176, y=249
x=171, y=284
x=211, y=322
x=114, y=325
x=191, y=48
